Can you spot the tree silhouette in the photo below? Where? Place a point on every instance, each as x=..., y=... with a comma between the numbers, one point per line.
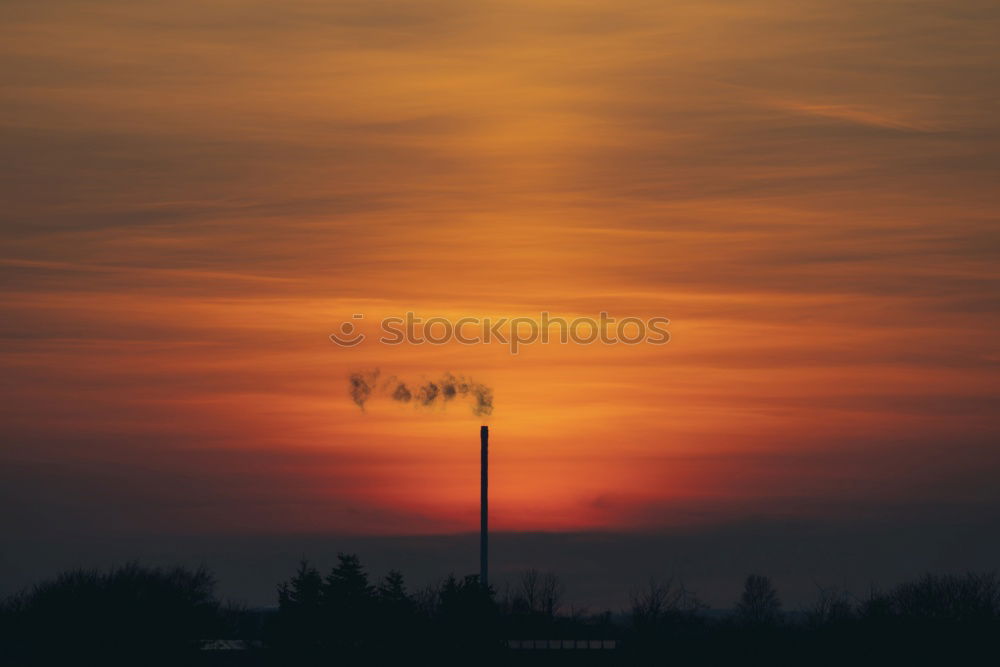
x=335, y=614
x=539, y=594
x=467, y=615
x=551, y=593
x=347, y=582
x=401, y=626
x=301, y=622
x=832, y=607
x=113, y=616
x=529, y=593
x=659, y=614
x=303, y=591
x=391, y=592
x=759, y=604
x=940, y=598
x=134, y=614
x=349, y=604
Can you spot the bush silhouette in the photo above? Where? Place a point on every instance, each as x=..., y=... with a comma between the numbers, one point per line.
x=951, y=599
x=128, y=611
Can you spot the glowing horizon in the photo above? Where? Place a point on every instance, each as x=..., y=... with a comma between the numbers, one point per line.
x=200, y=195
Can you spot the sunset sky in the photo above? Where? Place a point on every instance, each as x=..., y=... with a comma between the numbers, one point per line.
x=196, y=194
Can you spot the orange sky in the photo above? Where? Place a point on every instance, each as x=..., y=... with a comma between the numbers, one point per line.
x=197, y=194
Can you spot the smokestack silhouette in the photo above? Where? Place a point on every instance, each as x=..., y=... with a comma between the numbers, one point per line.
x=484, y=445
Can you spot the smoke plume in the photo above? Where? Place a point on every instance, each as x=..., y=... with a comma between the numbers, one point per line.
x=363, y=385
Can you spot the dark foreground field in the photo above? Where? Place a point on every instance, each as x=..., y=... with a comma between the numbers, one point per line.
x=148, y=616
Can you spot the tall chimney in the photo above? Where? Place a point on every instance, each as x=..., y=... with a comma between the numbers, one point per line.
x=484, y=442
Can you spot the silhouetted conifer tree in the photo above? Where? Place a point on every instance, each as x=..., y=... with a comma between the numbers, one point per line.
x=349, y=604
x=301, y=621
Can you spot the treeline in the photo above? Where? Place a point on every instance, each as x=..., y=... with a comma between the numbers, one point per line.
x=141, y=615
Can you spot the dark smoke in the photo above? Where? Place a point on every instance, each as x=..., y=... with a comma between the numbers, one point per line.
x=428, y=393
x=362, y=384
x=402, y=393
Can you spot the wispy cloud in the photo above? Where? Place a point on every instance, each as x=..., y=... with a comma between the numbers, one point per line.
x=196, y=195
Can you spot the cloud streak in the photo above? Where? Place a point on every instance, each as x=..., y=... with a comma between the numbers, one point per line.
x=806, y=189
